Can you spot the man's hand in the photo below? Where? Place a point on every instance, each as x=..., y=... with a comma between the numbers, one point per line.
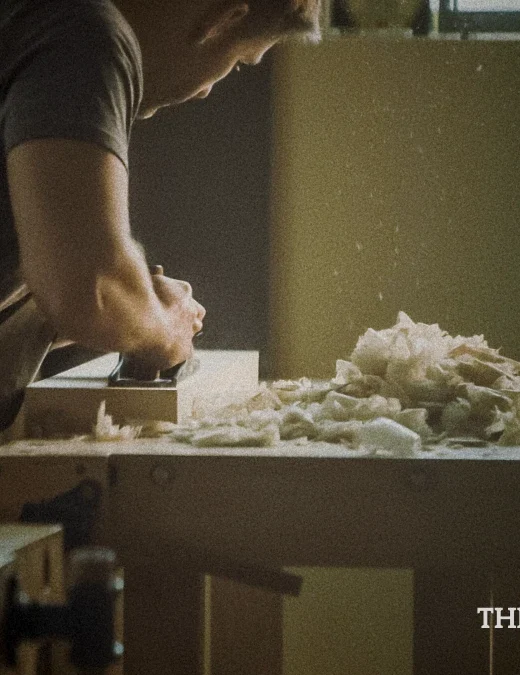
x=87, y=274
x=186, y=313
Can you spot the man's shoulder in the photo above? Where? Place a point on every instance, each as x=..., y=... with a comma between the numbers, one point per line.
x=100, y=19
x=103, y=14
x=87, y=30
x=71, y=69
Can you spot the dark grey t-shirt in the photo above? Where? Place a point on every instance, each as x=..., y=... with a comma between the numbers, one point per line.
x=68, y=69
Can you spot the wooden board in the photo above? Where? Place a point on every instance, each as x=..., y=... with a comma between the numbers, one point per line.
x=68, y=402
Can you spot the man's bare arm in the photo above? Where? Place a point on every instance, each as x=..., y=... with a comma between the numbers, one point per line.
x=70, y=205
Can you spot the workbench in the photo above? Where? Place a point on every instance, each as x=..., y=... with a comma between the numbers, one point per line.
x=173, y=512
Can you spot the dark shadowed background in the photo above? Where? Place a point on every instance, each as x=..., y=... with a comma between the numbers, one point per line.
x=199, y=203
x=199, y=187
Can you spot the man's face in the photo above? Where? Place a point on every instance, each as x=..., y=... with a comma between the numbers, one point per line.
x=191, y=72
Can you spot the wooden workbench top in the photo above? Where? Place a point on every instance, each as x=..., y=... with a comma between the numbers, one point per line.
x=293, y=449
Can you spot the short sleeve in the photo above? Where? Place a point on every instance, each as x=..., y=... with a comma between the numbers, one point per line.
x=83, y=81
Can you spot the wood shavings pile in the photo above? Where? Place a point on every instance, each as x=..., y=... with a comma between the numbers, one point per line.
x=408, y=387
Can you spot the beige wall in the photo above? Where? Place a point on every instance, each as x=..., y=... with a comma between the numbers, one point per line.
x=396, y=186
x=355, y=622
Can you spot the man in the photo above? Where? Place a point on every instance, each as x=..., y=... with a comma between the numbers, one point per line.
x=74, y=76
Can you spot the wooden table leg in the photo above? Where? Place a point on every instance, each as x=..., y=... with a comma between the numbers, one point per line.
x=183, y=623
x=246, y=629
x=448, y=637
x=164, y=620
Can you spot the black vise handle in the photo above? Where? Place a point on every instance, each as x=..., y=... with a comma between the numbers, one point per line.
x=86, y=621
x=76, y=510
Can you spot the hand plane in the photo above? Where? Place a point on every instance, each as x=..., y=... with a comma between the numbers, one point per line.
x=130, y=373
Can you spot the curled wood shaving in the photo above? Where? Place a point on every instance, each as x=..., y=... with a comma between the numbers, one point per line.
x=106, y=430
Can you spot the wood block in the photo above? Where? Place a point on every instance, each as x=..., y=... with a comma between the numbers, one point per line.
x=68, y=402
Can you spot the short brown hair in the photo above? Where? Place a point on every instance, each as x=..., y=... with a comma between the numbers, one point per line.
x=282, y=17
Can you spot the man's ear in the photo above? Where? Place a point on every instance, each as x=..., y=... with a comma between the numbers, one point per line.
x=220, y=19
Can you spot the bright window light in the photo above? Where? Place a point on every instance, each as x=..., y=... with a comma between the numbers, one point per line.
x=486, y=5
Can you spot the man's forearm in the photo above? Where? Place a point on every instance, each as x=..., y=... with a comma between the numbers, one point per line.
x=113, y=307
x=86, y=272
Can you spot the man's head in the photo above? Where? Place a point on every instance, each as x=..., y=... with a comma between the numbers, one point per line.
x=189, y=45
x=280, y=18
